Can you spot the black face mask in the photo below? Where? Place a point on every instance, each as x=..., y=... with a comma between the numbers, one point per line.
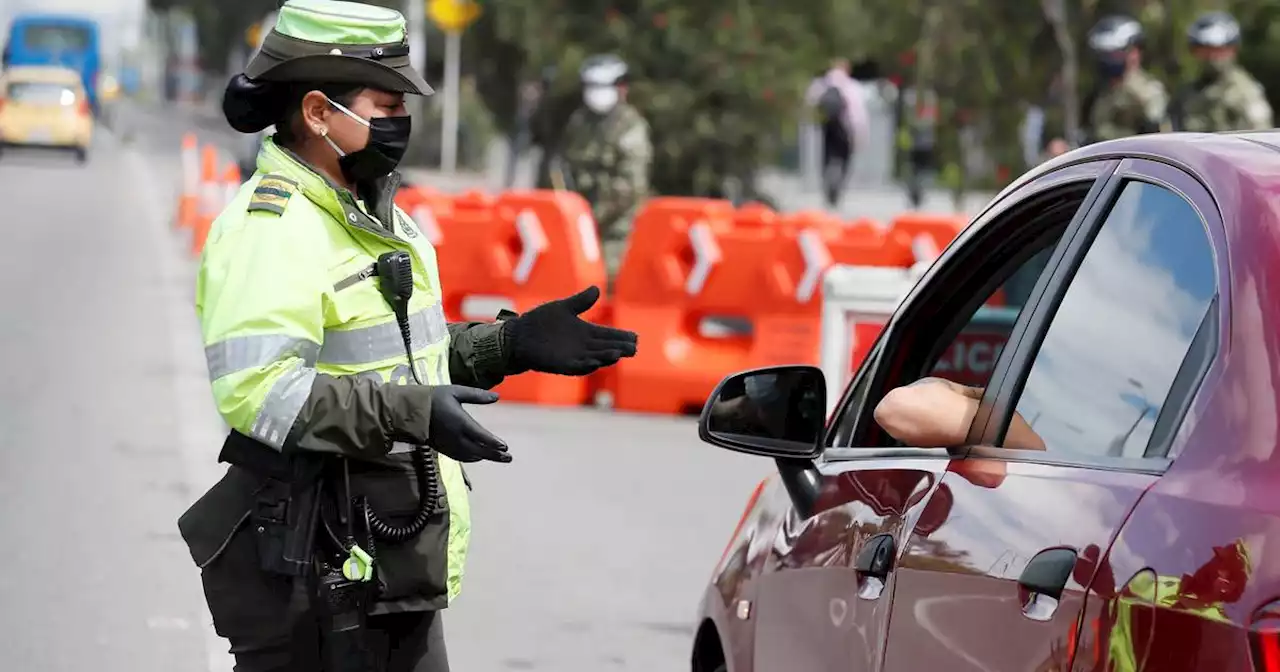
x=1110, y=67
x=388, y=140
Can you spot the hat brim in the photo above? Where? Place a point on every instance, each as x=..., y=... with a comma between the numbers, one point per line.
x=337, y=69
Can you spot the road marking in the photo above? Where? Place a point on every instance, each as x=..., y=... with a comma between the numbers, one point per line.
x=191, y=419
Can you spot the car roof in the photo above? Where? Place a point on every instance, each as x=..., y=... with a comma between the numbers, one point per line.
x=52, y=74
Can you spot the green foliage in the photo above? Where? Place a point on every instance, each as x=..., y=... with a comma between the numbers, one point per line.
x=721, y=81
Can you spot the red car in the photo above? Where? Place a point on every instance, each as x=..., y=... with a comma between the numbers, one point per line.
x=1144, y=279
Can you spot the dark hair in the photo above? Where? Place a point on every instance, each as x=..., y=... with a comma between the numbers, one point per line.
x=252, y=105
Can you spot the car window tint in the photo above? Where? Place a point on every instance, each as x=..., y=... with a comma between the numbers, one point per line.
x=1122, y=331
x=971, y=357
x=41, y=93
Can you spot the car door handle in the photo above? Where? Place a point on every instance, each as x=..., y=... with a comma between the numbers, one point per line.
x=1043, y=581
x=873, y=564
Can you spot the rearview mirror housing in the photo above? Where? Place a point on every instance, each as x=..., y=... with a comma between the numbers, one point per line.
x=777, y=412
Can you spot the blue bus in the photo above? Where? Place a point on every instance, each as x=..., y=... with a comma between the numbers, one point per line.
x=51, y=39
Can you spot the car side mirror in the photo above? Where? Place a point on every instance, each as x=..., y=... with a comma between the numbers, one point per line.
x=778, y=412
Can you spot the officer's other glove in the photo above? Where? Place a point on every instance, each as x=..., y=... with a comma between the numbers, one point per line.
x=455, y=433
x=446, y=427
x=551, y=338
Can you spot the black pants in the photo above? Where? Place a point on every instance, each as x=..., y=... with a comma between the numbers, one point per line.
x=920, y=163
x=258, y=614
x=837, y=153
x=405, y=642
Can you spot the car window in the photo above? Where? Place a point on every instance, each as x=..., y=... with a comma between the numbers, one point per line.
x=1123, y=330
x=971, y=357
x=845, y=424
x=41, y=93
x=56, y=38
x=957, y=324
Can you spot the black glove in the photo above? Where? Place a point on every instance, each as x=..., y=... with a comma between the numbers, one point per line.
x=553, y=339
x=454, y=433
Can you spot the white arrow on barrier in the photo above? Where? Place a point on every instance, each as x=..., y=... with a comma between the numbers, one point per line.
x=924, y=248
x=925, y=251
x=533, y=242
x=587, y=234
x=706, y=254
x=816, y=260
x=427, y=223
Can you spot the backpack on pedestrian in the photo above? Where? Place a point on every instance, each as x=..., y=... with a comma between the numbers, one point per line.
x=831, y=104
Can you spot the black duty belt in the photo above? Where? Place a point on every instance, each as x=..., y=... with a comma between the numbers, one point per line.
x=256, y=456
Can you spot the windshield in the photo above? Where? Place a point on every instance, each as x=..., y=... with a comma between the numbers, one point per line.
x=41, y=93
x=55, y=38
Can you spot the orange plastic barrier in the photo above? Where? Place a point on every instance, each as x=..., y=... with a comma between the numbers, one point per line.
x=426, y=207
x=712, y=290
x=515, y=251
x=927, y=234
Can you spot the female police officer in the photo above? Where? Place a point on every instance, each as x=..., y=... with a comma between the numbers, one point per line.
x=313, y=287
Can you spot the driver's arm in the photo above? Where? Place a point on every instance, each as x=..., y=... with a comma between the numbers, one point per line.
x=936, y=413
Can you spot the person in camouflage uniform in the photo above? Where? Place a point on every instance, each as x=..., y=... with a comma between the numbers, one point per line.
x=606, y=153
x=1129, y=100
x=1224, y=97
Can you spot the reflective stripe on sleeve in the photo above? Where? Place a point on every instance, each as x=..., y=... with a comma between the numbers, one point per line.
x=381, y=342
x=250, y=352
x=283, y=404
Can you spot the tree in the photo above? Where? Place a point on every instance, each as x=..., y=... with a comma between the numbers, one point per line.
x=721, y=83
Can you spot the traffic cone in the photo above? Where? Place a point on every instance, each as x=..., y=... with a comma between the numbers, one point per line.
x=189, y=197
x=211, y=194
x=230, y=184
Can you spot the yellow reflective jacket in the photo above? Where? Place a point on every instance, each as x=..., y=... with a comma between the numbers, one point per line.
x=304, y=353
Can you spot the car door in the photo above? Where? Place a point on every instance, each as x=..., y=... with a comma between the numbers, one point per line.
x=1181, y=577
x=823, y=599
x=1001, y=583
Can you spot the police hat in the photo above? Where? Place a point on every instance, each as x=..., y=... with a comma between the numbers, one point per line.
x=333, y=42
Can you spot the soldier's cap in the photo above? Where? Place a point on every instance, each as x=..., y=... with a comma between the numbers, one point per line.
x=333, y=42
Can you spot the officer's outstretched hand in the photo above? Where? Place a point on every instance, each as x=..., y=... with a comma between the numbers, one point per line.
x=454, y=433
x=553, y=339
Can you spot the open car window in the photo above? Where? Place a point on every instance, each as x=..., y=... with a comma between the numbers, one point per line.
x=956, y=325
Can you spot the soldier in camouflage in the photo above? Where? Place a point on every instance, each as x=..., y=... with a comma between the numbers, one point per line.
x=606, y=154
x=1223, y=97
x=1128, y=100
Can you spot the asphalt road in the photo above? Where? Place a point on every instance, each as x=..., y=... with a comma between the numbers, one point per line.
x=590, y=550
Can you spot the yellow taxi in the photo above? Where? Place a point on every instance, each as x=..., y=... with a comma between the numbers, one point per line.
x=45, y=106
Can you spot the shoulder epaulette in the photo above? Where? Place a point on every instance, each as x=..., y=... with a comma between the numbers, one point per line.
x=272, y=194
